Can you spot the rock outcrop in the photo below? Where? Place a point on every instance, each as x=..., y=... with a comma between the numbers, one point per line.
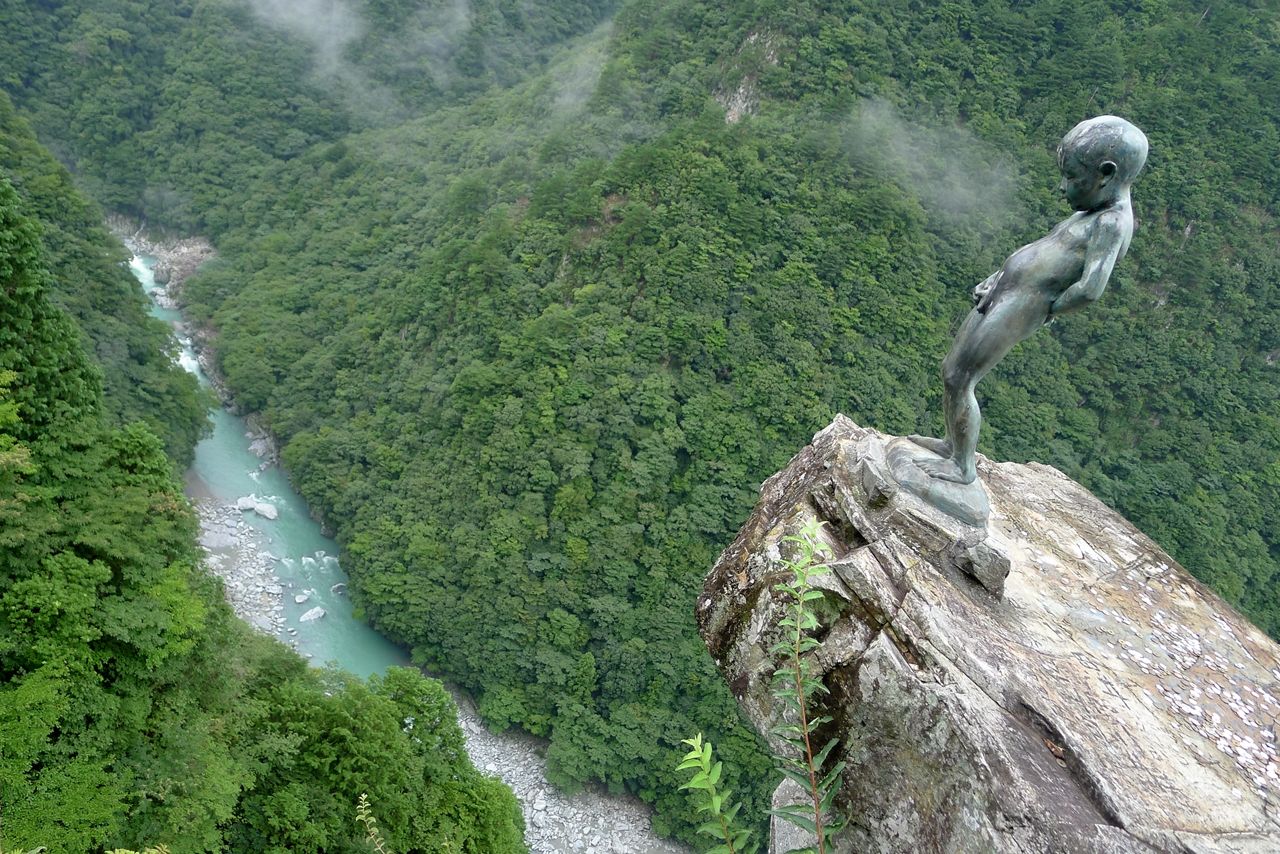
x=1053, y=682
x=177, y=259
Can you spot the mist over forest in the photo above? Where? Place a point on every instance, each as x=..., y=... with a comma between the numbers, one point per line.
x=534, y=296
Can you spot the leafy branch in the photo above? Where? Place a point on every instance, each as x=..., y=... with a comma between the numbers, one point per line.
x=795, y=686
x=364, y=815
x=723, y=824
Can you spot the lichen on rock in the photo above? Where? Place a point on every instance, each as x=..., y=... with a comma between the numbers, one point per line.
x=1053, y=681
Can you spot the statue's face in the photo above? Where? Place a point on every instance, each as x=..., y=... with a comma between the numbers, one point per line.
x=1086, y=185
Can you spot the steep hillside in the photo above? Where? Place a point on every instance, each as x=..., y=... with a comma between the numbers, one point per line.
x=531, y=351
x=134, y=708
x=168, y=111
x=141, y=380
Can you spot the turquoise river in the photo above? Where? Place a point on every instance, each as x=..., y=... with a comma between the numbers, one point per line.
x=225, y=470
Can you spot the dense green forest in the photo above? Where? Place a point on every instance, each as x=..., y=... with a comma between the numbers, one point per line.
x=532, y=330
x=134, y=708
x=89, y=280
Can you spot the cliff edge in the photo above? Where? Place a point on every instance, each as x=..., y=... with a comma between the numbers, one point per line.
x=1052, y=681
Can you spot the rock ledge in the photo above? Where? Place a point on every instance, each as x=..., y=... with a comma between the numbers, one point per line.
x=1051, y=682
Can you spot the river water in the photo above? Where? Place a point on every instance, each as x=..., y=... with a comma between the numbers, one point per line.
x=268, y=563
x=305, y=561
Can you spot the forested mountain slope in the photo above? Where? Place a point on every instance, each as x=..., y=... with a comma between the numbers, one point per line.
x=141, y=379
x=134, y=708
x=531, y=351
x=168, y=111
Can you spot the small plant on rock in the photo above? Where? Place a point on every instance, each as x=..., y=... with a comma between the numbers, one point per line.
x=364, y=815
x=794, y=687
x=722, y=826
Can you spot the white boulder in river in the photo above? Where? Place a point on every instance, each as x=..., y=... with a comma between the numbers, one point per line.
x=314, y=614
x=265, y=509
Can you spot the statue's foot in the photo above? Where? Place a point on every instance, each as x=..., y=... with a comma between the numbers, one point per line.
x=948, y=470
x=941, y=447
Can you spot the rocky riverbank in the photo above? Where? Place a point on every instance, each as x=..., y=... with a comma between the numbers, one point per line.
x=234, y=552
x=590, y=821
x=177, y=259
x=587, y=822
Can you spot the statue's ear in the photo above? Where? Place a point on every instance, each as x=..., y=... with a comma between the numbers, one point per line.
x=1108, y=168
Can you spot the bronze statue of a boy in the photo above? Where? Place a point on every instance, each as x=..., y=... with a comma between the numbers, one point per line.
x=1063, y=271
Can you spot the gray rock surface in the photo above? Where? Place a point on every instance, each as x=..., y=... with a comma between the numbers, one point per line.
x=262, y=444
x=234, y=552
x=589, y=821
x=1052, y=682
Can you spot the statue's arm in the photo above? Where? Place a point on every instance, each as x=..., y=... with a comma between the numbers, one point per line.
x=1100, y=259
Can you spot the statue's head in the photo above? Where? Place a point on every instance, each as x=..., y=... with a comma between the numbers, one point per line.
x=1099, y=159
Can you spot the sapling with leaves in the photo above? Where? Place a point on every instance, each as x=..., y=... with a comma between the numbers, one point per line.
x=794, y=686
x=364, y=815
x=722, y=826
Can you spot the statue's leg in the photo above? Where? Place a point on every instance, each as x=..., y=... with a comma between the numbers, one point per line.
x=965, y=421
x=960, y=406
x=972, y=355
x=941, y=447
x=983, y=340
